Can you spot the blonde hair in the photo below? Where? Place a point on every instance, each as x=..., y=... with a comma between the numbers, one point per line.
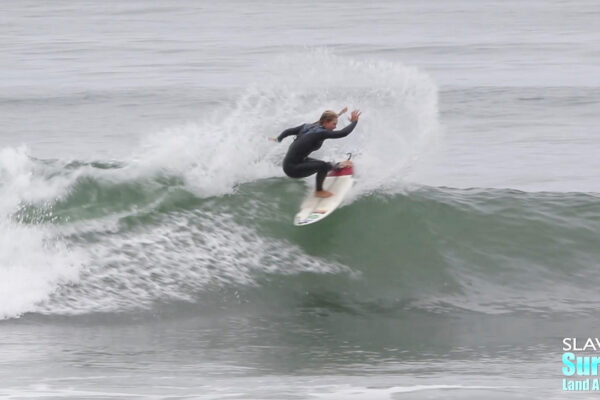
x=326, y=117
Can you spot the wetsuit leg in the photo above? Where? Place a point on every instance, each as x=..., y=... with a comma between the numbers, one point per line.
x=308, y=167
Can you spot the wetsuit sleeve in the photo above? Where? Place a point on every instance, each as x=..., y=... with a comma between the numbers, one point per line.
x=289, y=132
x=341, y=133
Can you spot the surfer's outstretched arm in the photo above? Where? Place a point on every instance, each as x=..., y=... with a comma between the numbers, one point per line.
x=346, y=131
x=339, y=134
x=289, y=132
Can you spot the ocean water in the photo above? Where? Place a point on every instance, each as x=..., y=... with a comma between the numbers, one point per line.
x=146, y=243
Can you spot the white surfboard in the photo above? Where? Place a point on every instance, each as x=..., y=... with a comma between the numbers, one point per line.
x=314, y=209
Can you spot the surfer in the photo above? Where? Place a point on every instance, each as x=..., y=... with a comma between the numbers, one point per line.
x=310, y=137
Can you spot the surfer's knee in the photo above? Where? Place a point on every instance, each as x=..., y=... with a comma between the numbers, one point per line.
x=326, y=166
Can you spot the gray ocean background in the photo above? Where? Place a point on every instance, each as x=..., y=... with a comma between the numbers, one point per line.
x=146, y=239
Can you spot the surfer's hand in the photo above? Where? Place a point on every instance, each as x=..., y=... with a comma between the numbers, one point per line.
x=272, y=139
x=343, y=111
x=354, y=116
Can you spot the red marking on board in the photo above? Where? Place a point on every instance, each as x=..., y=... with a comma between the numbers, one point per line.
x=342, y=171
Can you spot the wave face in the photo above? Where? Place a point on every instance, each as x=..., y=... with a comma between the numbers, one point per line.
x=112, y=245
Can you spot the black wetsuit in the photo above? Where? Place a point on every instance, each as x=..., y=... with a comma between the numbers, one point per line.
x=309, y=138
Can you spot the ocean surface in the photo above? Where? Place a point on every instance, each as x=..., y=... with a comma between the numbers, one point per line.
x=146, y=239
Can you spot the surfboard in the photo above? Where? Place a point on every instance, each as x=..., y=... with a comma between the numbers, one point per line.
x=314, y=209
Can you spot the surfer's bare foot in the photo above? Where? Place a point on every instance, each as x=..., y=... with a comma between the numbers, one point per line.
x=323, y=194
